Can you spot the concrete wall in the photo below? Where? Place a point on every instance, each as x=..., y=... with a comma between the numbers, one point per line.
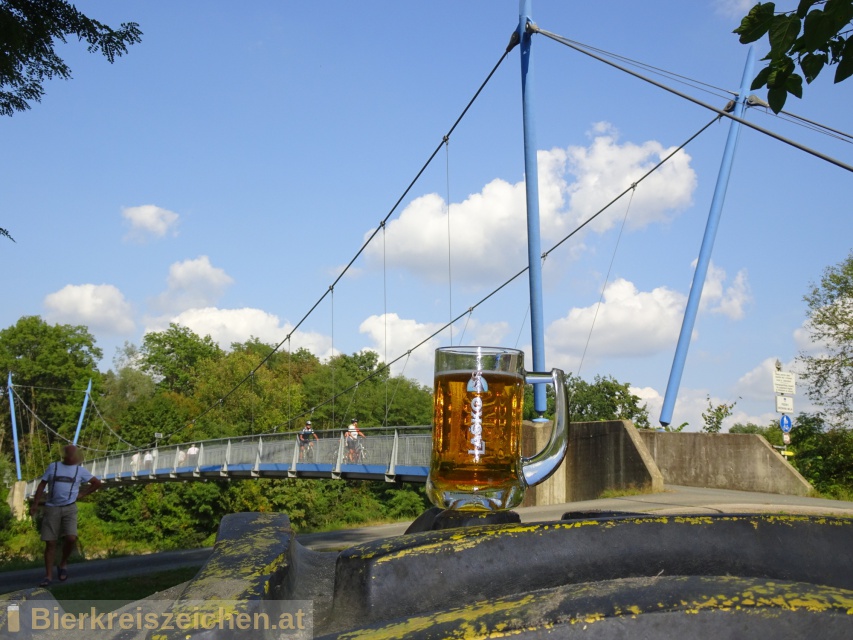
x=16, y=501
x=601, y=456
x=740, y=461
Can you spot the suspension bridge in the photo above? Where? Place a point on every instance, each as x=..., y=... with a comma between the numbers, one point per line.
x=398, y=454
x=402, y=453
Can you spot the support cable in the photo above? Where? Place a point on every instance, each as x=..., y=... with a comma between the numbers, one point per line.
x=332, y=357
x=385, y=308
x=115, y=433
x=449, y=254
x=721, y=112
x=56, y=433
x=521, y=328
x=686, y=80
x=494, y=292
x=606, y=279
x=513, y=42
x=400, y=379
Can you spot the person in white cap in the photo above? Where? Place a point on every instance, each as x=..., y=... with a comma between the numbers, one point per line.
x=352, y=436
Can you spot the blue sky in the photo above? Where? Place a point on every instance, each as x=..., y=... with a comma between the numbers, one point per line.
x=223, y=172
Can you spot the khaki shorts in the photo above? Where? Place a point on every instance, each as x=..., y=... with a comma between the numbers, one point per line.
x=59, y=521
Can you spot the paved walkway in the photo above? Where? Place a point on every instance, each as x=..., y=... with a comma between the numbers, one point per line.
x=673, y=500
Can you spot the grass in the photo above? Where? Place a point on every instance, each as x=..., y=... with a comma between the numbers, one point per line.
x=622, y=493
x=80, y=596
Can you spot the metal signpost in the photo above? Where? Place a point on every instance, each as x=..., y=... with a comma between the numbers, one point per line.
x=785, y=386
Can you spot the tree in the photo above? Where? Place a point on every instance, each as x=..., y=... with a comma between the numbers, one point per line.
x=51, y=365
x=812, y=36
x=172, y=356
x=772, y=433
x=829, y=373
x=603, y=399
x=714, y=415
x=29, y=30
x=824, y=455
x=404, y=401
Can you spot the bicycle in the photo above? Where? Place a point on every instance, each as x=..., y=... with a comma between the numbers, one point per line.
x=357, y=454
x=306, y=452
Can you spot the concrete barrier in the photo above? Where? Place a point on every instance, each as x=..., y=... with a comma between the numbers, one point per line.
x=601, y=456
x=740, y=461
x=16, y=500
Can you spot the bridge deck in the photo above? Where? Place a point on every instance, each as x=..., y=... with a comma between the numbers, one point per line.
x=390, y=454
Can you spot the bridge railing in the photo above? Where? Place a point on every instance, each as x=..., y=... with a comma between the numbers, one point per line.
x=390, y=453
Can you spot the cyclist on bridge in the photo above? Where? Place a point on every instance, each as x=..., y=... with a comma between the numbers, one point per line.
x=352, y=436
x=305, y=439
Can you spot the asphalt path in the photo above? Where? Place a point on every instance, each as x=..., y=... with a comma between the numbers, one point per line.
x=673, y=500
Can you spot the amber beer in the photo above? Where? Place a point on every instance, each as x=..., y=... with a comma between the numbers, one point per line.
x=476, y=461
x=476, y=438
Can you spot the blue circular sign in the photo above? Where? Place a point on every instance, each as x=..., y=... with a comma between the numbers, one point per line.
x=785, y=423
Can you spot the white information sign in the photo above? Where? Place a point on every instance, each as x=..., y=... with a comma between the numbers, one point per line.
x=786, y=438
x=784, y=382
x=784, y=404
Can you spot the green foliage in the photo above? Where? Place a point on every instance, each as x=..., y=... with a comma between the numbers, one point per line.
x=829, y=373
x=824, y=455
x=714, y=415
x=814, y=35
x=604, y=399
x=405, y=401
x=772, y=433
x=172, y=356
x=28, y=33
x=46, y=362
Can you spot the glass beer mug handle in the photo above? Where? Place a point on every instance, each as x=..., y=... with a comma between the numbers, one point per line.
x=543, y=464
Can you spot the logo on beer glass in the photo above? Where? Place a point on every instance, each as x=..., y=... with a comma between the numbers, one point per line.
x=477, y=384
x=476, y=461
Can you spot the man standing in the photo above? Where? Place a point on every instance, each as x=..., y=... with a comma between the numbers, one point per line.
x=60, y=509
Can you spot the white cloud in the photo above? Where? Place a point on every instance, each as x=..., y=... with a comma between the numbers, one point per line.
x=101, y=307
x=630, y=323
x=734, y=8
x=192, y=284
x=689, y=406
x=757, y=384
x=227, y=326
x=488, y=229
x=717, y=298
x=149, y=220
x=606, y=168
x=402, y=334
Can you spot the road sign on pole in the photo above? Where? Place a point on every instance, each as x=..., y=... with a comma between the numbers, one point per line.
x=785, y=423
x=784, y=404
x=784, y=382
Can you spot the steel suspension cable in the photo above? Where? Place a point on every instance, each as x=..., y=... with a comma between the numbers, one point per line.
x=606, y=279
x=512, y=43
x=494, y=292
x=696, y=84
x=56, y=433
x=681, y=94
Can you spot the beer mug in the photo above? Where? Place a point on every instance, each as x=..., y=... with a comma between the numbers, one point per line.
x=476, y=461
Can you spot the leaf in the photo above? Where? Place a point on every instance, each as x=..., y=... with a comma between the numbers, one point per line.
x=784, y=30
x=761, y=78
x=811, y=64
x=776, y=98
x=794, y=85
x=840, y=12
x=845, y=65
x=756, y=23
x=817, y=30
x=804, y=6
